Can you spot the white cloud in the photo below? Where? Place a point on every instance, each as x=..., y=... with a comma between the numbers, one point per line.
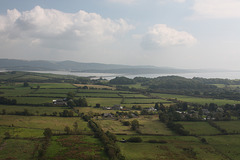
x=49, y=26
x=134, y=1
x=216, y=9
x=160, y=35
x=180, y=1
x=123, y=1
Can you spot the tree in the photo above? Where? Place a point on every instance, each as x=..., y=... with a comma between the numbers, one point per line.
x=135, y=125
x=156, y=106
x=3, y=111
x=67, y=129
x=70, y=95
x=47, y=133
x=75, y=126
x=25, y=84
x=7, y=135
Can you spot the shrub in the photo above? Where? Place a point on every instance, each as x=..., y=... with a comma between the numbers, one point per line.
x=135, y=139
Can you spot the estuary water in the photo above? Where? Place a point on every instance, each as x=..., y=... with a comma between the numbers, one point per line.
x=222, y=75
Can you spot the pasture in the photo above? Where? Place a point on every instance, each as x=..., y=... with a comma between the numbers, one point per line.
x=115, y=126
x=198, y=100
x=42, y=122
x=174, y=147
x=152, y=125
x=226, y=145
x=199, y=128
x=75, y=147
x=229, y=126
x=18, y=149
x=11, y=109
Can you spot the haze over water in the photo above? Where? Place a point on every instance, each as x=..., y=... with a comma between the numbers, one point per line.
x=222, y=75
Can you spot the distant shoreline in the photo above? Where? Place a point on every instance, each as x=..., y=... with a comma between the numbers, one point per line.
x=109, y=76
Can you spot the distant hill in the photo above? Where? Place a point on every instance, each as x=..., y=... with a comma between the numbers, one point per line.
x=24, y=65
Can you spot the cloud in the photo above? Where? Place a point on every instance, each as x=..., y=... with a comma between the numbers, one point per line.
x=123, y=1
x=160, y=35
x=49, y=26
x=134, y=1
x=216, y=9
x=180, y=1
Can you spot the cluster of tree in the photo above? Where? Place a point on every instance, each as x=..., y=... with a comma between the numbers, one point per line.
x=74, y=131
x=43, y=148
x=7, y=101
x=121, y=80
x=217, y=81
x=177, y=128
x=175, y=82
x=66, y=113
x=109, y=141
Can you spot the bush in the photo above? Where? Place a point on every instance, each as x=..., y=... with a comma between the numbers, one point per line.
x=135, y=139
x=126, y=123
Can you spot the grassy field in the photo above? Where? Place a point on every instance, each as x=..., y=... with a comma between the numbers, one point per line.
x=95, y=86
x=75, y=147
x=54, y=91
x=113, y=95
x=152, y=125
x=115, y=126
x=52, y=85
x=104, y=101
x=40, y=122
x=144, y=101
x=17, y=149
x=133, y=95
x=17, y=132
x=32, y=100
x=229, y=126
x=196, y=99
x=199, y=128
x=176, y=147
x=93, y=110
x=227, y=145
x=33, y=110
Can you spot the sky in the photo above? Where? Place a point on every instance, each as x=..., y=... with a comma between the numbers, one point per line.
x=187, y=34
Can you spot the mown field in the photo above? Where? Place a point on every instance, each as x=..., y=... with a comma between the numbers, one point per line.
x=197, y=100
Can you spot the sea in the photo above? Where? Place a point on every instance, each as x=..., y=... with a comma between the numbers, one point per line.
x=109, y=76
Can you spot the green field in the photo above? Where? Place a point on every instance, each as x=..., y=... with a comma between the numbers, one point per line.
x=104, y=101
x=229, y=126
x=144, y=101
x=227, y=145
x=18, y=149
x=111, y=95
x=115, y=126
x=52, y=85
x=41, y=122
x=199, y=128
x=83, y=147
x=133, y=95
x=10, y=109
x=202, y=101
x=18, y=132
x=91, y=110
x=152, y=125
x=176, y=147
x=32, y=100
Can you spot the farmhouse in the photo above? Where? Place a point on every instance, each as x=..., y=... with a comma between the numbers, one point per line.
x=60, y=102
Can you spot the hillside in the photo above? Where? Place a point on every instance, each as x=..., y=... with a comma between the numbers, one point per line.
x=40, y=65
